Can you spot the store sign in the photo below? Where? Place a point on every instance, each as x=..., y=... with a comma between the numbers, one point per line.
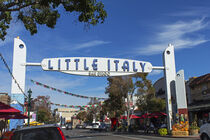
x=91, y=66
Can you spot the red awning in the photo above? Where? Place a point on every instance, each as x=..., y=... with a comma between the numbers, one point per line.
x=6, y=109
x=157, y=114
x=14, y=116
x=146, y=115
x=131, y=116
x=134, y=117
x=123, y=117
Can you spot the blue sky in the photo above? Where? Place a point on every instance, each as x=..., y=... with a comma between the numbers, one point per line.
x=139, y=30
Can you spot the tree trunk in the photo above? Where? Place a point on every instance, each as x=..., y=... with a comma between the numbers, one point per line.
x=128, y=111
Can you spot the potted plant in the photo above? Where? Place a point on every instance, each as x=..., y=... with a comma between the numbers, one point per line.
x=119, y=129
x=194, y=128
x=162, y=131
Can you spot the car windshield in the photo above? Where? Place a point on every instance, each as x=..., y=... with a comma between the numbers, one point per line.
x=38, y=134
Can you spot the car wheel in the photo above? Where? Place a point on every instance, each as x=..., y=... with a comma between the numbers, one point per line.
x=204, y=137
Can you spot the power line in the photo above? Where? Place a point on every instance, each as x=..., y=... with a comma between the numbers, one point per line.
x=6, y=65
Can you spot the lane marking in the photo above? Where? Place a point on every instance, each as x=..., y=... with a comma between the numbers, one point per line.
x=130, y=137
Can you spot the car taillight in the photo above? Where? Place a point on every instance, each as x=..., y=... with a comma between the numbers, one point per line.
x=61, y=133
x=10, y=138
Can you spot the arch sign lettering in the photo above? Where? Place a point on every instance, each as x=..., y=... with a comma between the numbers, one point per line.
x=91, y=66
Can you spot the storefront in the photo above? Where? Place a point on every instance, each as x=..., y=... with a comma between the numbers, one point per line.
x=200, y=112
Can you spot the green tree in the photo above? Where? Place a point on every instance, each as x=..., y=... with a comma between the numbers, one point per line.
x=45, y=12
x=93, y=112
x=147, y=102
x=117, y=89
x=41, y=102
x=82, y=115
x=43, y=115
x=42, y=106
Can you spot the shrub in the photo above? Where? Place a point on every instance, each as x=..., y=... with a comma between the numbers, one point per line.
x=162, y=131
x=194, y=125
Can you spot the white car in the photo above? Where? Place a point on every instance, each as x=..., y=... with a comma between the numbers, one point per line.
x=89, y=126
x=205, y=131
x=95, y=126
x=63, y=126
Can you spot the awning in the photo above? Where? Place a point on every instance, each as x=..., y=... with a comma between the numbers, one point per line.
x=199, y=107
x=7, y=110
x=131, y=116
x=123, y=117
x=14, y=116
x=134, y=117
x=146, y=115
x=157, y=114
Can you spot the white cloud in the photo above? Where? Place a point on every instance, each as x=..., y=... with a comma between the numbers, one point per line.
x=102, y=88
x=192, y=12
x=178, y=35
x=156, y=72
x=89, y=44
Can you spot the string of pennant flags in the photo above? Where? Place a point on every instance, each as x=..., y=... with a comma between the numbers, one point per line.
x=76, y=106
x=76, y=111
x=65, y=92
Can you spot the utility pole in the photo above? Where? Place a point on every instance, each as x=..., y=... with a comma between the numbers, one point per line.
x=29, y=105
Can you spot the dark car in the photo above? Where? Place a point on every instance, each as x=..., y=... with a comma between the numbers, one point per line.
x=68, y=126
x=104, y=127
x=45, y=132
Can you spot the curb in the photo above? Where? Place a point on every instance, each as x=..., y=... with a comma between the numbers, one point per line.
x=168, y=136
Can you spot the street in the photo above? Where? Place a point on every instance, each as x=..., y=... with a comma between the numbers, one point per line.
x=85, y=134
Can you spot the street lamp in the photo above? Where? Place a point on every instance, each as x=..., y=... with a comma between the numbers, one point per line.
x=29, y=105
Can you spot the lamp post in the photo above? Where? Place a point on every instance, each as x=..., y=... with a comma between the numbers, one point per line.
x=29, y=105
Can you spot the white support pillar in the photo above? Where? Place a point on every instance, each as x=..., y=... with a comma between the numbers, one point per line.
x=18, y=71
x=181, y=99
x=170, y=77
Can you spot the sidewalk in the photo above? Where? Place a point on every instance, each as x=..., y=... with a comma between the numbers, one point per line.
x=140, y=132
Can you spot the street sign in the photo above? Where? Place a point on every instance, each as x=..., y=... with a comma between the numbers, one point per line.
x=96, y=66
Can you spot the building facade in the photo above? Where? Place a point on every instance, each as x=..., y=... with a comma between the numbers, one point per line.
x=159, y=86
x=5, y=98
x=199, y=99
x=66, y=113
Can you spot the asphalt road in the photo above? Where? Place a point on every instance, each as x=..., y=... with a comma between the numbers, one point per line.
x=85, y=134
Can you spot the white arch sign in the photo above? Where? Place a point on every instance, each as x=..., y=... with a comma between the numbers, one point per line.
x=93, y=66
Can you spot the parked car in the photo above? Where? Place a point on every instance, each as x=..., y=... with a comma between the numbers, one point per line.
x=105, y=127
x=63, y=126
x=68, y=126
x=205, y=131
x=45, y=132
x=89, y=126
x=95, y=126
x=79, y=126
x=84, y=125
